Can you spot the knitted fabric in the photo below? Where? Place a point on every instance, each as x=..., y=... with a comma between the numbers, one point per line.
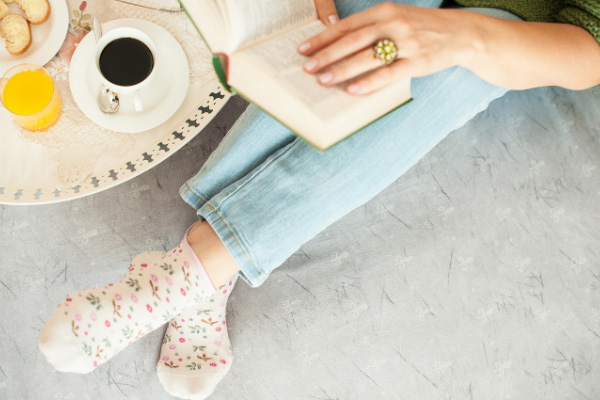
x=583, y=13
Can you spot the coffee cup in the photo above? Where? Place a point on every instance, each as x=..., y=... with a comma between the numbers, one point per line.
x=125, y=60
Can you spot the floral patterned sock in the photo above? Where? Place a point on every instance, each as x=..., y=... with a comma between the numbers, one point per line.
x=91, y=326
x=196, y=352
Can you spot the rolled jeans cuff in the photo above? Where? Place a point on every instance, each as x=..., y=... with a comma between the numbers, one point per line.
x=249, y=270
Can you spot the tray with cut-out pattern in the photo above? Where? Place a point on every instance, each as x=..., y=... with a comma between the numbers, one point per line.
x=30, y=182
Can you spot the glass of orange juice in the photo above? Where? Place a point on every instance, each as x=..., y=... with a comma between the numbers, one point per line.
x=28, y=92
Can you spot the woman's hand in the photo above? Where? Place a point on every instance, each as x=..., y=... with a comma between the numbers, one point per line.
x=506, y=53
x=427, y=40
x=327, y=12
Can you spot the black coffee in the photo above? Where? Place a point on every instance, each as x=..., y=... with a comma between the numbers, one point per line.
x=126, y=61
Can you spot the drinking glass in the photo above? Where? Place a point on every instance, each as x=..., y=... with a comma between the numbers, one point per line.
x=29, y=94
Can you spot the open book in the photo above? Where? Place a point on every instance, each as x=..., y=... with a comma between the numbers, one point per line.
x=254, y=44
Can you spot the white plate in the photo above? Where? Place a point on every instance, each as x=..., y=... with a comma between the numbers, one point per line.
x=85, y=84
x=46, y=38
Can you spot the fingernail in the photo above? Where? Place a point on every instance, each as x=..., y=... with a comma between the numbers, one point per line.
x=326, y=77
x=310, y=65
x=333, y=19
x=303, y=47
x=353, y=88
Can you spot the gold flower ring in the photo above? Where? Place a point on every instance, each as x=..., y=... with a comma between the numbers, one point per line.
x=385, y=51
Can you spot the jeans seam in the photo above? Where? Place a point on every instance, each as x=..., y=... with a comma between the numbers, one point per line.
x=261, y=169
x=228, y=228
x=195, y=194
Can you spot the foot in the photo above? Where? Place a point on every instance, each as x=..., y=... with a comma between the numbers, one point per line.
x=91, y=326
x=196, y=352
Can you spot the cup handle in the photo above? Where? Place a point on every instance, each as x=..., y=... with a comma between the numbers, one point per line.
x=137, y=101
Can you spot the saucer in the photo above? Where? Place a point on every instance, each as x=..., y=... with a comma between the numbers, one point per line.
x=85, y=83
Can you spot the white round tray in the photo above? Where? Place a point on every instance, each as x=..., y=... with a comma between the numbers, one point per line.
x=25, y=169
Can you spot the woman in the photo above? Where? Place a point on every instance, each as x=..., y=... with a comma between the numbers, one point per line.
x=263, y=192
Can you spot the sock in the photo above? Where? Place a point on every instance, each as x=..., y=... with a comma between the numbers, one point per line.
x=91, y=326
x=196, y=352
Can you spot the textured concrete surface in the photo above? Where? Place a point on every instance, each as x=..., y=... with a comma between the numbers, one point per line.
x=474, y=276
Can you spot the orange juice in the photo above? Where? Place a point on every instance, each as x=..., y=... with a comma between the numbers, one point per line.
x=30, y=96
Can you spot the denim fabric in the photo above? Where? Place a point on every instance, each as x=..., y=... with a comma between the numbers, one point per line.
x=266, y=192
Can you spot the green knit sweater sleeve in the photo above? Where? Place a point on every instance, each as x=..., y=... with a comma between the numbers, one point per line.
x=583, y=13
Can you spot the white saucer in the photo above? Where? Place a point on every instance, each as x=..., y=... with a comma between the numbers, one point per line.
x=46, y=38
x=85, y=83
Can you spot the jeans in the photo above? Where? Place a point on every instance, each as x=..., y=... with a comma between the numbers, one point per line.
x=265, y=192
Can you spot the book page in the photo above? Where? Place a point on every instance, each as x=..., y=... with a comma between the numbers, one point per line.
x=209, y=21
x=279, y=58
x=256, y=20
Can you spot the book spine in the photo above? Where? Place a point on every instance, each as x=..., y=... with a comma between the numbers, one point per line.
x=220, y=62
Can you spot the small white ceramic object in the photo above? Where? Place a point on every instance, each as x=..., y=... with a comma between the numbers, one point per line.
x=147, y=91
x=46, y=38
x=161, y=96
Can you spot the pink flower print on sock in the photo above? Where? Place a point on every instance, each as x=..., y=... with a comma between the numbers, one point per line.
x=118, y=297
x=186, y=265
x=154, y=278
x=169, y=281
x=165, y=358
x=206, y=345
x=183, y=291
x=93, y=316
x=172, y=347
x=134, y=298
x=182, y=340
x=78, y=317
x=107, y=323
x=149, y=307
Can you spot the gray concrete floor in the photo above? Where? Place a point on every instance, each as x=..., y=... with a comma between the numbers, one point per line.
x=474, y=276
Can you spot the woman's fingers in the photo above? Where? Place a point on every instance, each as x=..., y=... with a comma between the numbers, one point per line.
x=356, y=65
x=343, y=48
x=327, y=12
x=345, y=26
x=427, y=41
x=399, y=69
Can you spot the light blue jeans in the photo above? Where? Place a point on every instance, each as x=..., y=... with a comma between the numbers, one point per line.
x=265, y=192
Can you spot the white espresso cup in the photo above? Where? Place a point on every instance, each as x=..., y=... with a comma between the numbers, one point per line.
x=142, y=93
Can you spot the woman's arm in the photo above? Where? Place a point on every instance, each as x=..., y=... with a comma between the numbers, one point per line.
x=511, y=54
x=522, y=55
